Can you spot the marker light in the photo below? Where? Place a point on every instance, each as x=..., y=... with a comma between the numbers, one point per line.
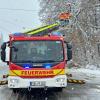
x=47, y=66
x=14, y=80
x=56, y=33
x=60, y=79
x=27, y=67
x=18, y=34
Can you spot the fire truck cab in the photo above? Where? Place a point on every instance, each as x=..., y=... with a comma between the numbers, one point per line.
x=36, y=61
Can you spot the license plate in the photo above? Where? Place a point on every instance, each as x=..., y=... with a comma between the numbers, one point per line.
x=37, y=83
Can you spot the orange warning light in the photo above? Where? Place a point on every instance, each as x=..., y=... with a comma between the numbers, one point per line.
x=64, y=16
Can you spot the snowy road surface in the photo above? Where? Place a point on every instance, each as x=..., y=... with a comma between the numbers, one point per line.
x=72, y=92
x=91, y=76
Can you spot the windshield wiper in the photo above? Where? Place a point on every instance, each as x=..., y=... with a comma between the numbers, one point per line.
x=15, y=49
x=38, y=61
x=45, y=61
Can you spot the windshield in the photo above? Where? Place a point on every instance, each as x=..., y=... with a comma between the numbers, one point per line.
x=36, y=51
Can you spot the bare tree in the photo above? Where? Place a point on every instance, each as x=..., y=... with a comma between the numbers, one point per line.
x=83, y=29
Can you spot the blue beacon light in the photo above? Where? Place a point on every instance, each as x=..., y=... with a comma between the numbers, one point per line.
x=27, y=66
x=48, y=66
x=56, y=33
x=18, y=34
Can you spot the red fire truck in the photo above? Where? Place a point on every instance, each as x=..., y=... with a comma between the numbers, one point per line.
x=37, y=61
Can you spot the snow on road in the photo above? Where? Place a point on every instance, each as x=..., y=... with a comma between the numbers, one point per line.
x=71, y=92
x=80, y=92
x=3, y=70
x=91, y=74
x=5, y=93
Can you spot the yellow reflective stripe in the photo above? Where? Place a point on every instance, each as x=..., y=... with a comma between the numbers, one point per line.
x=43, y=28
x=36, y=72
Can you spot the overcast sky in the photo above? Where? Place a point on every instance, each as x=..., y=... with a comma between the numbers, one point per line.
x=18, y=15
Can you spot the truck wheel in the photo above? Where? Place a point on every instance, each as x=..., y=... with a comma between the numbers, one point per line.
x=59, y=89
x=15, y=90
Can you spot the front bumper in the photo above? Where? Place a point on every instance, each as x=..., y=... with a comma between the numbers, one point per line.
x=57, y=81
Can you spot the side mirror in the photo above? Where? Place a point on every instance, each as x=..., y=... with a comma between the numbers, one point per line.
x=69, y=46
x=69, y=50
x=3, y=55
x=15, y=49
x=3, y=52
x=69, y=54
x=3, y=46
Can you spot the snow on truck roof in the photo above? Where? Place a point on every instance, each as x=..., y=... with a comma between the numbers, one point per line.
x=25, y=37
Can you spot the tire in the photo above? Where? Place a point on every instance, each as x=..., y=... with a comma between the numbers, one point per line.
x=15, y=90
x=60, y=89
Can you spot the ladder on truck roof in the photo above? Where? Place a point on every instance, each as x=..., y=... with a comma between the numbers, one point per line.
x=43, y=30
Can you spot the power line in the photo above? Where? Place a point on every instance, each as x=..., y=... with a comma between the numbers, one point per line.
x=26, y=10
x=3, y=28
x=9, y=22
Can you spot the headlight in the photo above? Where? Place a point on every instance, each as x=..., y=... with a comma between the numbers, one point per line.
x=14, y=80
x=60, y=79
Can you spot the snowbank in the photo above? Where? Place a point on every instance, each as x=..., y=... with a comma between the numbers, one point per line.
x=90, y=73
x=3, y=70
